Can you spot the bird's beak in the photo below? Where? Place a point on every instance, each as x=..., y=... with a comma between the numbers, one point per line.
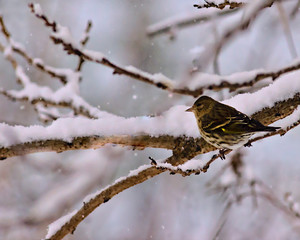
x=189, y=109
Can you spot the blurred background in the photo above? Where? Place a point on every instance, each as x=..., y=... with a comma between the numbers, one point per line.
x=37, y=189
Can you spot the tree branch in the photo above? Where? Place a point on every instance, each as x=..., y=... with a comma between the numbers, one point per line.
x=145, y=172
x=222, y=5
x=192, y=146
x=167, y=25
x=160, y=80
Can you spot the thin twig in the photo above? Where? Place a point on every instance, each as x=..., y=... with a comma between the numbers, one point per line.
x=83, y=42
x=149, y=78
x=287, y=29
x=39, y=64
x=180, y=23
x=222, y=5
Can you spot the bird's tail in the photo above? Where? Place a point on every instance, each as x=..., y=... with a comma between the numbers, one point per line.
x=270, y=129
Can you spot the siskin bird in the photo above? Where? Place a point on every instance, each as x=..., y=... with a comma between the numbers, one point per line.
x=223, y=126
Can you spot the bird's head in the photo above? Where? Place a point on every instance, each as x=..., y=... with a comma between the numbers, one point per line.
x=202, y=106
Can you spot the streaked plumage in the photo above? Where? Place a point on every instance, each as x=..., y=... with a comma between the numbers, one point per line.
x=223, y=126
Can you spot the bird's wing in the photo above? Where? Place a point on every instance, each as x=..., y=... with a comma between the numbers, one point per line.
x=230, y=121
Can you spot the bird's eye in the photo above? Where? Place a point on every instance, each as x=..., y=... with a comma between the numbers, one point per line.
x=200, y=105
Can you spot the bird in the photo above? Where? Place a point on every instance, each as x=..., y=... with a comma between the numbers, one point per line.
x=223, y=126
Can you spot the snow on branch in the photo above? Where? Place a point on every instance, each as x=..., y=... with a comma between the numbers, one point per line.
x=267, y=105
x=85, y=38
x=57, y=232
x=44, y=97
x=204, y=81
x=194, y=87
x=67, y=224
x=62, y=35
x=61, y=74
x=144, y=172
x=251, y=11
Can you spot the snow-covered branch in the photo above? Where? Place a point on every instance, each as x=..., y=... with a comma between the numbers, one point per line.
x=58, y=230
x=160, y=132
x=43, y=97
x=204, y=81
x=194, y=87
x=62, y=35
x=251, y=11
x=85, y=38
x=36, y=62
x=145, y=172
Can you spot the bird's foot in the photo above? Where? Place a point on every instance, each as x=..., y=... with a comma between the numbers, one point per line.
x=221, y=153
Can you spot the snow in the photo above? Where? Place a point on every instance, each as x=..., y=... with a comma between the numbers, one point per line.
x=174, y=122
x=16, y=45
x=7, y=51
x=249, y=11
x=203, y=80
x=156, y=78
x=283, y=88
x=37, y=9
x=131, y=173
x=22, y=76
x=38, y=61
x=135, y=172
x=192, y=164
x=94, y=55
x=55, y=226
x=66, y=94
x=65, y=35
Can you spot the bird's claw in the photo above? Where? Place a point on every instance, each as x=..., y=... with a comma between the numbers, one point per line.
x=221, y=154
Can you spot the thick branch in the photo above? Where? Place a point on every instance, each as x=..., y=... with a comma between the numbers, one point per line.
x=93, y=142
x=106, y=194
x=192, y=146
